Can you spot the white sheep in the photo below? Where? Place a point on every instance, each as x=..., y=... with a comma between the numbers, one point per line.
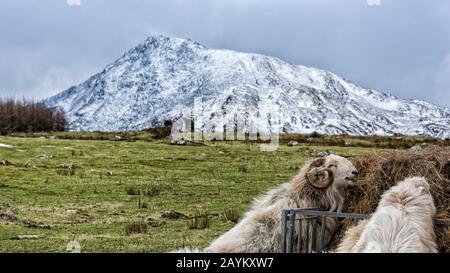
x=319, y=183
x=402, y=222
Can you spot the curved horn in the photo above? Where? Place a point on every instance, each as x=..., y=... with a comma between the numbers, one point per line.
x=320, y=178
x=317, y=163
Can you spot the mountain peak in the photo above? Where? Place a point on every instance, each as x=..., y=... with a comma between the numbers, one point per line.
x=155, y=41
x=159, y=79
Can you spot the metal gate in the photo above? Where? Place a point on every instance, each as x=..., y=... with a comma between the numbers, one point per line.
x=311, y=221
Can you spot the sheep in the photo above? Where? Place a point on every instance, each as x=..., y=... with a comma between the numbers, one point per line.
x=188, y=250
x=318, y=184
x=351, y=237
x=402, y=222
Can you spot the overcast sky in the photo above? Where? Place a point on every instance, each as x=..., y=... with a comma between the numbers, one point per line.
x=401, y=47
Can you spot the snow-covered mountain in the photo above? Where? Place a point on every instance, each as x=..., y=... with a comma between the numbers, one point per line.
x=159, y=79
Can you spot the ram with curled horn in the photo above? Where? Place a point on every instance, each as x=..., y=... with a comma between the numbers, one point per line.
x=319, y=183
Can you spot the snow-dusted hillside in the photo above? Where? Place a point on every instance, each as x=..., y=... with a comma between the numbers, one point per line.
x=159, y=79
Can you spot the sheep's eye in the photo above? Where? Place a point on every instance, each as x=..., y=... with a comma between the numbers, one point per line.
x=331, y=166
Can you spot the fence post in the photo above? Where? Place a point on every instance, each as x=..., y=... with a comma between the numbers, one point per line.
x=283, y=231
x=322, y=233
x=291, y=231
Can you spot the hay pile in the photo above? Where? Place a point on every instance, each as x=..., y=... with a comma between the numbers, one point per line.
x=378, y=172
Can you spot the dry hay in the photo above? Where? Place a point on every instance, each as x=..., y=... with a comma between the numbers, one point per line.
x=380, y=171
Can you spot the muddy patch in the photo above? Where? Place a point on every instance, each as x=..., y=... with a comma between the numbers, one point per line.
x=154, y=222
x=8, y=215
x=173, y=215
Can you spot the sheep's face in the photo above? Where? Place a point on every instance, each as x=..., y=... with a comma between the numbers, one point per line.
x=331, y=170
x=343, y=170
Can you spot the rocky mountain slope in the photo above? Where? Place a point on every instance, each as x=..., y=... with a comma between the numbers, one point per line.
x=159, y=79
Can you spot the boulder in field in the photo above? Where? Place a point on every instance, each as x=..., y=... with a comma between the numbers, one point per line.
x=292, y=143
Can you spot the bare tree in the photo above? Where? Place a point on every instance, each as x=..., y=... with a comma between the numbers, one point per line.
x=29, y=116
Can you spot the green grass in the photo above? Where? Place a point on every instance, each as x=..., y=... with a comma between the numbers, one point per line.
x=112, y=179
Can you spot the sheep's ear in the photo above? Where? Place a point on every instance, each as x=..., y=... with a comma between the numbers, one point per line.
x=320, y=178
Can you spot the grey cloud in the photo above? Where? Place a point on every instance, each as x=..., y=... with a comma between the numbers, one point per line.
x=442, y=82
x=400, y=47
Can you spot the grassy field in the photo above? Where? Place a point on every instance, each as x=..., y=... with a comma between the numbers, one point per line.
x=106, y=201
